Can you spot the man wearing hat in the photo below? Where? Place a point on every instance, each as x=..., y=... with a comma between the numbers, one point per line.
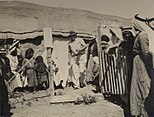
x=4, y=69
x=77, y=49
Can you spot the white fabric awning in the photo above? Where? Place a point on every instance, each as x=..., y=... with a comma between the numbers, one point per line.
x=20, y=36
x=18, y=27
x=23, y=27
x=18, y=24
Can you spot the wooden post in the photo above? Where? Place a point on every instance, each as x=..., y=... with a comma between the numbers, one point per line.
x=98, y=40
x=48, y=44
x=51, y=77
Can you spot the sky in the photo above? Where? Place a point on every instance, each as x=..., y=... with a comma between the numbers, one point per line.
x=122, y=8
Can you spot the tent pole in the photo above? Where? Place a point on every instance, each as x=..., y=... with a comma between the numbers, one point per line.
x=98, y=41
x=49, y=58
x=48, y=44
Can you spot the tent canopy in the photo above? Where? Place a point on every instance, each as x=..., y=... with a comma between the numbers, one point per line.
x=20, y=20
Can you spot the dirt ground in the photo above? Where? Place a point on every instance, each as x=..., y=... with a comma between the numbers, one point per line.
x=39, y=104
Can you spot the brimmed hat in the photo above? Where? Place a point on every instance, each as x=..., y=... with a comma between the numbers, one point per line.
x=72, y=33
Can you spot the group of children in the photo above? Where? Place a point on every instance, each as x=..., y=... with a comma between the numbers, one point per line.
x=28, y=73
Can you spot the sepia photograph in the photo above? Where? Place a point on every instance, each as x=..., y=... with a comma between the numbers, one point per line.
x=76, y=58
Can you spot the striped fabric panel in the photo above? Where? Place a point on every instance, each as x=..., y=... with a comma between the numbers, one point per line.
x=114, y=73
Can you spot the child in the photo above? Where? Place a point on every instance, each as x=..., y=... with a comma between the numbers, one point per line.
x=41, y=72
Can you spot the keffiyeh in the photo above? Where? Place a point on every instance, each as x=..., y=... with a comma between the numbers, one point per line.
x=144, y=26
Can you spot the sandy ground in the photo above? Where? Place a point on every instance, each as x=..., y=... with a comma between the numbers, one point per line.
x=39, y=105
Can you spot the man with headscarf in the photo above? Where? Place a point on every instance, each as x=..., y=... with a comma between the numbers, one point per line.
x=127, y=48
x=141, y=78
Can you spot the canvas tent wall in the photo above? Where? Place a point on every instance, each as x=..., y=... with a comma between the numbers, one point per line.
x=18, y=27
x=15, y=27
x=61, y=19
x=25, y=21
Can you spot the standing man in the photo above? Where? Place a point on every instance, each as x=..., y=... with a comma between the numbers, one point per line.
x=77, y=49
x=127, y=47
x=142, y=66
x=4, y=75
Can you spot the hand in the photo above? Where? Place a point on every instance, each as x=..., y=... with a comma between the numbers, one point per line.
x=107, y=50
x=56, y=69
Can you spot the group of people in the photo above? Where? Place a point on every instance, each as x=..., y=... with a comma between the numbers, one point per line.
x=138, y=49
x=35, y=71
x=31, y=72
x=27, y=72
x=136, y=45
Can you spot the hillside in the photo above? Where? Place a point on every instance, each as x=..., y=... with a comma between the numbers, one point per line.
x=61, y=19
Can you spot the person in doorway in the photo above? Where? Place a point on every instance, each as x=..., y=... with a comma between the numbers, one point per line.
x=4, y=70
x=77, y=49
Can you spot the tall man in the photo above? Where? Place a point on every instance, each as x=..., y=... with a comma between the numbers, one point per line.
x=127, y=46
x=77, y=48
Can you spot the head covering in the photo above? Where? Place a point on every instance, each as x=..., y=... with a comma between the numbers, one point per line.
x=2, y=50
x=29, y=53
x=142, y=25
x=104, y=30
x=104, y=39
x=127, y=29
x=72, y=33
x=39, y=59
x=151, y=23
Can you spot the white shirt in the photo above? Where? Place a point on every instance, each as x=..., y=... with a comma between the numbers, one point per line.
x=77, y=45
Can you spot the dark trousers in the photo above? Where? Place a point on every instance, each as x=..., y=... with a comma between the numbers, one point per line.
x=4, y=106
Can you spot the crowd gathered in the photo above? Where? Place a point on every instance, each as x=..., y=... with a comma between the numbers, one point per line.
x=26, y=72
